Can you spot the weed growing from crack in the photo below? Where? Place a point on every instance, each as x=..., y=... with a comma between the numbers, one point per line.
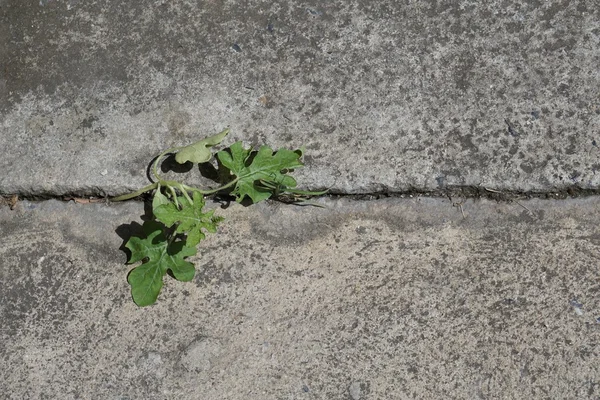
x=179, y=222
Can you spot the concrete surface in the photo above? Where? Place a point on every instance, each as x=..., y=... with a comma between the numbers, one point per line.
x=386, y=95
x=403, y=298
x=389, y=299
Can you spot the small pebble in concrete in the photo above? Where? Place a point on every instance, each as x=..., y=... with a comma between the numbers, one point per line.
x=355, y=391
x=577, y=306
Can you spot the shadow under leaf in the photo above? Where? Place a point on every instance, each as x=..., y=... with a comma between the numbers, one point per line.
x=134, y=229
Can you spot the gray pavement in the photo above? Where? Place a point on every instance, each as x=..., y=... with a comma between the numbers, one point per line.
x=389, y=299
x=385, y=95
x=399, y=298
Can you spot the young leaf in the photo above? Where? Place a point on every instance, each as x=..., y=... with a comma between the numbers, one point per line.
x=199, y=152
x=189, y=219
x=159, y=199
x=265, y=167
x=158, y=257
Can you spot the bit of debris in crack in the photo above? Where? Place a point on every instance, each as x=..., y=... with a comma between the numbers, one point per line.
x=11, y=201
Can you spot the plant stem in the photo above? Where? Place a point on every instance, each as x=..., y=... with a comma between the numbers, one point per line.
x=174, y=195
x=136, y=193
x=170, y=185
x=158, y=159
x=305, y=192
x=185, y=193
x=191, y=188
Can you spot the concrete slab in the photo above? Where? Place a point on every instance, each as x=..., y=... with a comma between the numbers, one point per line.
x=386, y=95
x=361, y=300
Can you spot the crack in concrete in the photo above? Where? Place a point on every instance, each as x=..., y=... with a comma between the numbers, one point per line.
x=480, y=192
x=450, y=192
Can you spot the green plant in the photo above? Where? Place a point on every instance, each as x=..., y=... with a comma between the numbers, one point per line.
x=179, y=222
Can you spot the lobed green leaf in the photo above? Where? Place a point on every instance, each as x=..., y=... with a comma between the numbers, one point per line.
x=158, y=256
x=190, y=219
x=199, y=152
x=265, y=166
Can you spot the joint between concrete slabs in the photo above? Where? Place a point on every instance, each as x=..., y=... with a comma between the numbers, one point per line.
x=451, y=192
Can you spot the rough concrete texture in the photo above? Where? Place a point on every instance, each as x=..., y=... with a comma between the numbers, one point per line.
x=386, y=95
x=391, y=299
